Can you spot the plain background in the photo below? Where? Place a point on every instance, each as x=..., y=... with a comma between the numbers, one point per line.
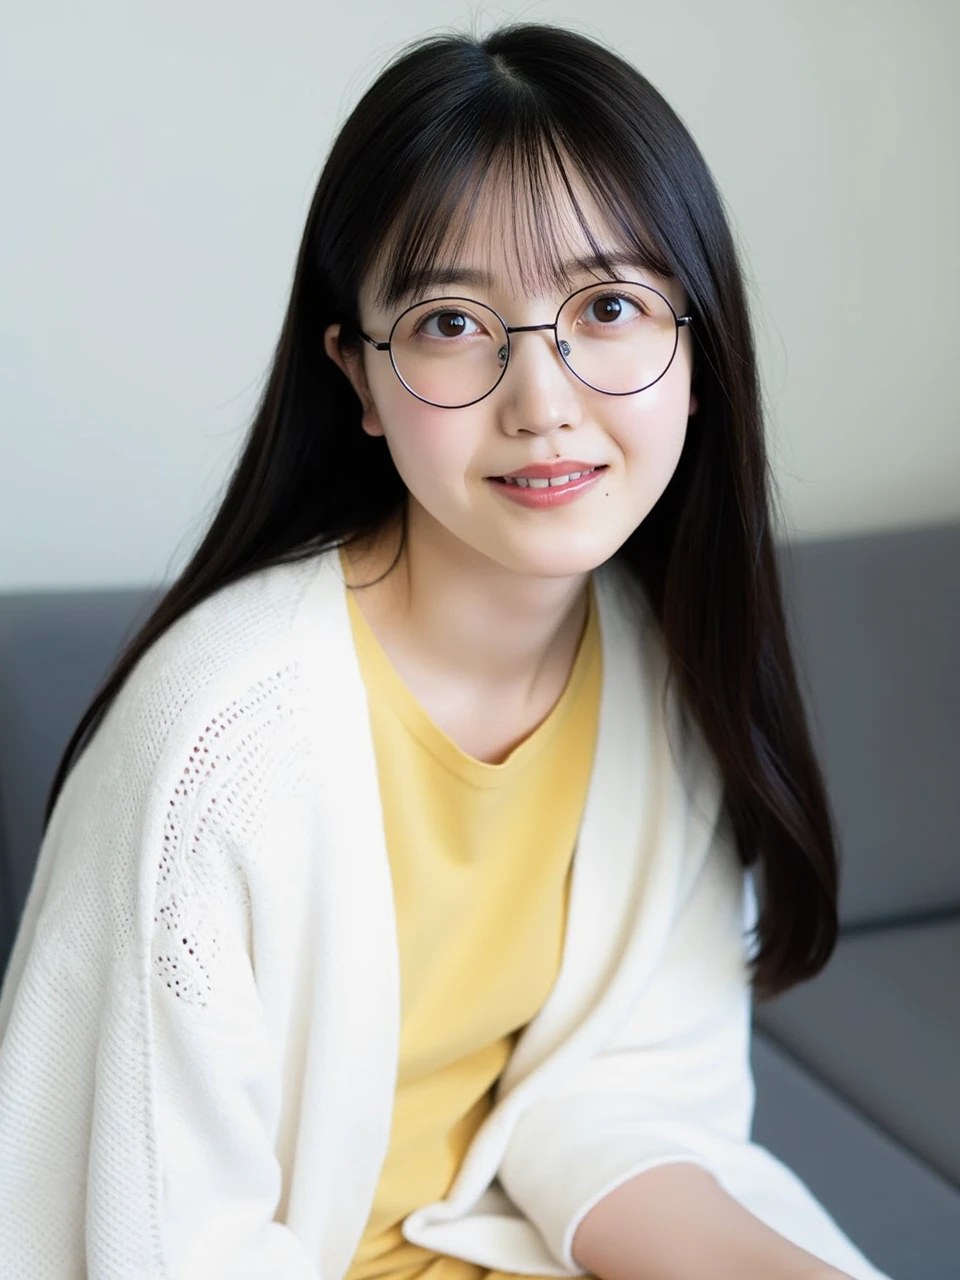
x=159, y=160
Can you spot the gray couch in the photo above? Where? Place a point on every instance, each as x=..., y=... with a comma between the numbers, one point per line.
x=858, y=1072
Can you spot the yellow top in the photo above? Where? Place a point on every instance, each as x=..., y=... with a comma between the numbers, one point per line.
x=480, y=856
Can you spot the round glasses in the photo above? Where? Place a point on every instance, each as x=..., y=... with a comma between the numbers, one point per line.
x=618, y=337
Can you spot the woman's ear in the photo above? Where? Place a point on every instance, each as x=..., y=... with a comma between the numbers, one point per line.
x=693, y=405
x=351, y=365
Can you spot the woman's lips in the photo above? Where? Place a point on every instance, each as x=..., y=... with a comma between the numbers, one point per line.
x=552, y=495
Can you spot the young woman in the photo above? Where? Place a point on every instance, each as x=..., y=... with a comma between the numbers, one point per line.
x=395, y=915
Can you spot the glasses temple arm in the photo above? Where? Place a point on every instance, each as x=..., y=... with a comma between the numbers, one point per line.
x=377, y=346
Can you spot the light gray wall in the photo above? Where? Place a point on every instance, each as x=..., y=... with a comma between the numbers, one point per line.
x=158, y=162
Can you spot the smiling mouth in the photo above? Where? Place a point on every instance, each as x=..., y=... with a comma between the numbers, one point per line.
x=556, y=482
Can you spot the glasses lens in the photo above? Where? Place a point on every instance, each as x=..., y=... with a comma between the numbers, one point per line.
x=619, y=337
x=449, y=351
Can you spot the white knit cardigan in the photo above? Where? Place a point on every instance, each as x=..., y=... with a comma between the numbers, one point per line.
x=199, y=1025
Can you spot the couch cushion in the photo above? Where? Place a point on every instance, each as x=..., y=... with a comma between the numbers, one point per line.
x=881, y=1026
x=876, y=619
x=55, y=648
x=902, y=1215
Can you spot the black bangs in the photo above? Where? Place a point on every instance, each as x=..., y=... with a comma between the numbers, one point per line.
x=513, y=189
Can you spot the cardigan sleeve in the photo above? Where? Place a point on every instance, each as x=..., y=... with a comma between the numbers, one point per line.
x=674, y=1084
x=139, y=1085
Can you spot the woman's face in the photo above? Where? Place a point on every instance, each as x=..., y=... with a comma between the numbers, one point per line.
x=538, y=413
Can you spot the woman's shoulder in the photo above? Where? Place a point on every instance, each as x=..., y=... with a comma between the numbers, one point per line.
x=635, y=632
x=234, y=659
x=256, y=613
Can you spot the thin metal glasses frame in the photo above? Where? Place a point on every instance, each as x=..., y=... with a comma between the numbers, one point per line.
x=679, y=322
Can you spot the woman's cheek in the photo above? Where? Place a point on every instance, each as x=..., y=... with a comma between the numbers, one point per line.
x=427, y=446
x=650, y=437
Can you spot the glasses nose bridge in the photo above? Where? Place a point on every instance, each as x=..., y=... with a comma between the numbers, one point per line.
x=528, y=328
x=563, y=347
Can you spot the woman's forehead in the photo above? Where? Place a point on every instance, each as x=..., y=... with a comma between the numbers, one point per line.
x=500, y=239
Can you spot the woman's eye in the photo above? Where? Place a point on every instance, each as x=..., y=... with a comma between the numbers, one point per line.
x=612, y=307
x=448, y=324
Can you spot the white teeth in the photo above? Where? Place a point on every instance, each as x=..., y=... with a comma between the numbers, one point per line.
x=543, y=484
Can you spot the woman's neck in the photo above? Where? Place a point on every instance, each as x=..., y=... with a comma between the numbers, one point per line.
x=452, y=616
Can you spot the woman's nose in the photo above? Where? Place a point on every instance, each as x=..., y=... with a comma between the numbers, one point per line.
x=540, y=392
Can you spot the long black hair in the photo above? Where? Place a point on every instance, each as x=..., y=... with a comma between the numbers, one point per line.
x=404, y=172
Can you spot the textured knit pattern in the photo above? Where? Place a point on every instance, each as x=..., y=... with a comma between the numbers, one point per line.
x=155, y=823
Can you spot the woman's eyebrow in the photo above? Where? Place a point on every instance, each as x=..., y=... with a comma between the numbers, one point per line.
x=439, y=276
